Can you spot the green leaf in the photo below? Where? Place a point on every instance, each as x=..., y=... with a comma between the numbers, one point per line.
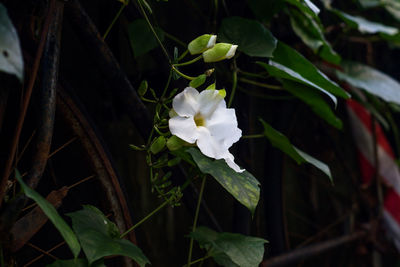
x=48, y=209
x=364, y=25
x=282, y=143
x=311, y=34
x=315, y=100
x=76, y=263
x=369, y=3
x=371, y=80
x=251, y=36
x=306, y=7
x=242, y=186
x=289, y=64
x=231, y=249
x=11, y=60
x=198, y=81
x=100, y=237
x=141, y=37
x=158, y=144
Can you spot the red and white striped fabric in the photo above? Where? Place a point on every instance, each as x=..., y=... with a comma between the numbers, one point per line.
x=362, y=128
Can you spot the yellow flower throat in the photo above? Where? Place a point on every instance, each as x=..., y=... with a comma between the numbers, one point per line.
x=199, y=120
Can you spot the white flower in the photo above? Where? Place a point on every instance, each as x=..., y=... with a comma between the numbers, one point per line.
x=203, y=118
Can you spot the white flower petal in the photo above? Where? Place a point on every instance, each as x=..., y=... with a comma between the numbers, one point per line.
x=185, y=103
x=208, y=145
x=209, y=101
x=183, y=127
x=223, y=127
x=229, y=159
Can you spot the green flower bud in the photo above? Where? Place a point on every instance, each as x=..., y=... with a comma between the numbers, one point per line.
x=175, y=143
x=202, y=43
x=219, y=52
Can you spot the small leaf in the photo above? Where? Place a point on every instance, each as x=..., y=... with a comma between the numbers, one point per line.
x=143, y=88
x=11, y=60
x=244, y=187
x=158, y=144
x=315, y=100
x=100, y=237
x=137, y=148
x=231, y=249
x=141, y=37
x=250, y=35
x=371, y=80
x=198, y=81
x=281, y=142
x=53, y=216
x=211, y=86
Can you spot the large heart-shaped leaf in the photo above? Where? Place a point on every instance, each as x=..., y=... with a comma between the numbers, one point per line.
x=315, y=100
x=54, y=217
x=230, y=249
x=141, y=37
x=11, y=60
x=281, y=142
x=251, y=36
x=289, y=64
x=371, y=80
x=312, y=35
x=244, y=187
x=100, y=237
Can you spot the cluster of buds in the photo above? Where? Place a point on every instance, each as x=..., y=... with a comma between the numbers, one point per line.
x=211, y=51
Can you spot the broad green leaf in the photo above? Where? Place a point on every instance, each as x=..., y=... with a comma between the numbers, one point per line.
x=306, y=7
x=198, y=81
x=364, y=25
x=315, y=100
x=371, y=80
x=311, y=34
x=289, y=64
x=100, y=237
x=11, y=60
x=251, y=36
x=231, y=249
x=48, y=209
x=141, y=37
x=282, y=143
x=242, y=186
x=76, y=263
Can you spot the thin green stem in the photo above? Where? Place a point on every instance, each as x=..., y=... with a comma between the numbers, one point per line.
x=196, y=216
x=255, y=75
x=166, y=86
x=147, y=217
x=153, y=31
x=115, y=19
x=234, y=84
x=183, y=55
x=189, y=62
x=183, y=75
x=199, y=260
x=252, y=136
x=269, y=86
x=176, y=40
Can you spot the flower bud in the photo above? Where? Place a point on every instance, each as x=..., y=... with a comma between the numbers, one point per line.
x=202, y=43
x=219, y=52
